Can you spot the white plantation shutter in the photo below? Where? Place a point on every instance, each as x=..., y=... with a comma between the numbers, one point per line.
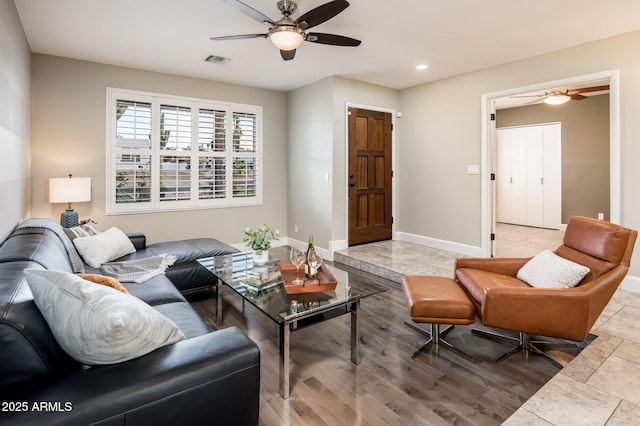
x=214, y=155
x=170, y=153
x=244, y=155
x=131, y=175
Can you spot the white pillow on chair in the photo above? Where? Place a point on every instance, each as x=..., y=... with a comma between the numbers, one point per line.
x=548, y=270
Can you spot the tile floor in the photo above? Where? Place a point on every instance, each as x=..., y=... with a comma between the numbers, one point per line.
x=524, y=241
x=601, y=386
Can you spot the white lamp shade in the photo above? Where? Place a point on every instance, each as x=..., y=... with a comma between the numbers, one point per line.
x=69, y=190
x=557, y=99
x=286, y=39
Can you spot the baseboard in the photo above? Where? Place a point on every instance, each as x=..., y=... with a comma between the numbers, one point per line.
x=336, y=245
x=464, y=249
x=276, y=243
x=631, y=283
x=302, y=245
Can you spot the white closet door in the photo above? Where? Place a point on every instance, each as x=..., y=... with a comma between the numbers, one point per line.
x=511, y=175
x=529, y=181
x=519, y=175
x=535, y=172
x=552, y=176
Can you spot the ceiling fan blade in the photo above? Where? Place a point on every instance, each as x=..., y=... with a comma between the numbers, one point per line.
x=288, y=55
x=251, y=12
x=321, y=14
x=239, y=37
x=589, y=89
x=577, y=96
x=535, y=101
x=529, y=96
x=332, y=39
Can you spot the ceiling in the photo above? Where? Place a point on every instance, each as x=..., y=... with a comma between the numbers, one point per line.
x=451, y=36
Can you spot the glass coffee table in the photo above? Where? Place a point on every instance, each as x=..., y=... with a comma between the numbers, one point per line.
x=263, y=288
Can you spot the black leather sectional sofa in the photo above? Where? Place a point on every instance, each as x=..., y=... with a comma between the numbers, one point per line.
x=212, y=377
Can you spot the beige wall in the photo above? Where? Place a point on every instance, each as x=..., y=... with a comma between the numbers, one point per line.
x=585, y=150
x=441, y=134
x=317, y=150
x=310, y=156
x=15, y=108
x=68, y=133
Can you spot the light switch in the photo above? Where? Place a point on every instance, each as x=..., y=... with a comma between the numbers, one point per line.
x=473, y=169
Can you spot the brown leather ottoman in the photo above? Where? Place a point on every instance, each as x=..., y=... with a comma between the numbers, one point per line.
x=435, y=301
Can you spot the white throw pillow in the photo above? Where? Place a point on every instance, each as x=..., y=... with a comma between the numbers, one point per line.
x=548, y=270
x=96, y=324
x=104, y=247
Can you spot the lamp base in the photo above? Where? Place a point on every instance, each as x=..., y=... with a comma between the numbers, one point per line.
x=69, y=218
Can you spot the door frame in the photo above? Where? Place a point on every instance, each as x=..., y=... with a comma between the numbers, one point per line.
x=394, y=189
x=488, y=148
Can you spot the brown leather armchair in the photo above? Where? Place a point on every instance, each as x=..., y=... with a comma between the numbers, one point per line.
x=503, y=301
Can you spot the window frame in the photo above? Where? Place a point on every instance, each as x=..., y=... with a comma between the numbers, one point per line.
x=194, y=154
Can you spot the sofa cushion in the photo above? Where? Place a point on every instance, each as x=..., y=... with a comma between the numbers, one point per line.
x=183, y=315
x=185, y=251
x=186, y=274
x=39, y=245
x=96, y=324
x=477, y=281
x=104, y=247
x=24, y=331
x=548, y=270
x=155, y=291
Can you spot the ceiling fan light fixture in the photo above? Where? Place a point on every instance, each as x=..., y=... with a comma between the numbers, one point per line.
x=286, y=38
x=557, y=99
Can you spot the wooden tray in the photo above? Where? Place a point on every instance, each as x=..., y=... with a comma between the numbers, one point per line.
x=325, y=280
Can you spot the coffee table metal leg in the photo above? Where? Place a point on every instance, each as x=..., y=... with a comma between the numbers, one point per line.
x=219, y=304
x=355, y=337
x=285, y=333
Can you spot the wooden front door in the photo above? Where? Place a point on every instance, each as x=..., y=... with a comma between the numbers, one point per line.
x=370, y=176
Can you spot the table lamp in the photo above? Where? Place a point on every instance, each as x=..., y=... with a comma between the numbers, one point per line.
x=69, y=190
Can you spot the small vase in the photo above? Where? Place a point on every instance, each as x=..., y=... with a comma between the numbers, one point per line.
x=261, y=259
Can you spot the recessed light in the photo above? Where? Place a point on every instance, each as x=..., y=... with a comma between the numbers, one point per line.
x=422, y=67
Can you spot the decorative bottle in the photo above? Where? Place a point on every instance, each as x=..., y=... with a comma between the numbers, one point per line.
x=310, y=259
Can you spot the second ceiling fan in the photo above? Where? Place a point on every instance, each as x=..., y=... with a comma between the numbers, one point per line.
x=286, y=33
x=558, y=97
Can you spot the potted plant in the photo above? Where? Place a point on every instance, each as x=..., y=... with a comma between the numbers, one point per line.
x=259, y=240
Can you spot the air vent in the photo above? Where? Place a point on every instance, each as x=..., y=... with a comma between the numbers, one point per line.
x=216, y=59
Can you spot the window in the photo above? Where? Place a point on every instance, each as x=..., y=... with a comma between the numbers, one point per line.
x=170, y=153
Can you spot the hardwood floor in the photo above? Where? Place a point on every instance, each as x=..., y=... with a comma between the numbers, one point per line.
x=388, y=387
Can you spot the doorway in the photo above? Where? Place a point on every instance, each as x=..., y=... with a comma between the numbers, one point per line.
x=370, y=176
x=489, y=154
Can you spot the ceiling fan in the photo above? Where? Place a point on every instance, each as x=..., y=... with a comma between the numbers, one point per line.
x=558, y=97
x=286, y=33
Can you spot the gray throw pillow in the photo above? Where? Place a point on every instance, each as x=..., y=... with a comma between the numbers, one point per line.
x=96, y=324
